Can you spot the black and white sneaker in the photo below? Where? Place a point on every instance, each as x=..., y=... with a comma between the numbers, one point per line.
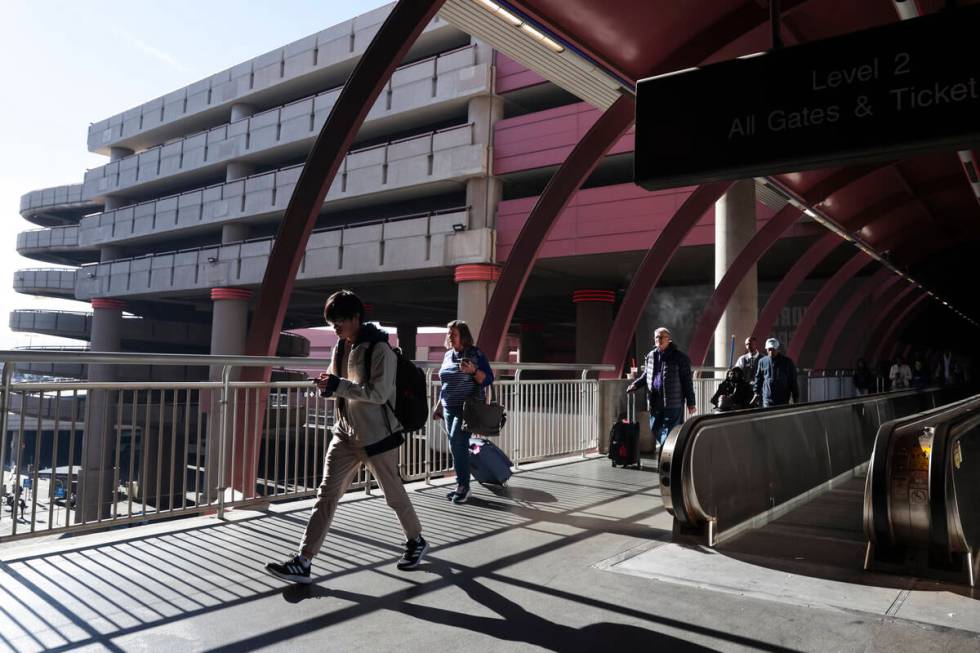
x=414, y=550
x=462, y=495
x=292, y=570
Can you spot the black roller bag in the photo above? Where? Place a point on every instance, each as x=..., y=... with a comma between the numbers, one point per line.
x=624, y=437
x=488, y=464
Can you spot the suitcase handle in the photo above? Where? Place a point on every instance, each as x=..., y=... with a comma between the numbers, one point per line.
x=631, y=406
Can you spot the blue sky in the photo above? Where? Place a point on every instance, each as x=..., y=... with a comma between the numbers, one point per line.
x=68, y=63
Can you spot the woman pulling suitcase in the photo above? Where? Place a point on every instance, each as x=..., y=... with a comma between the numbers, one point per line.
x=465, y=373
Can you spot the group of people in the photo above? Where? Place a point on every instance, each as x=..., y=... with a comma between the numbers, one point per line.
x=920, y=370
x=769, y=380
x=362, y=378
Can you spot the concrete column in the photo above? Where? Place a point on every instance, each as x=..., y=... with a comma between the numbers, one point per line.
x=475, y=284
x=407, y=334
x=593, y=321
x=99, y=439
x=113, y=202
x=229, y=326
x=735, y=222
x=238, y=170
x=483, y=197
x=532, y=344
x=234, y=232
x=116, y=153
x=110, y=253
x=240, y=110
x=484, y=111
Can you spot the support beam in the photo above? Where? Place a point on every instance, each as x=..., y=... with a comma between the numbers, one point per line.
x=651, y=268
x=386, y=50
x=763, y=240
x=791, y=281
x=883, y=278
x=823, y=297
x=608, y=129
x=893, y=325
x=884, y=318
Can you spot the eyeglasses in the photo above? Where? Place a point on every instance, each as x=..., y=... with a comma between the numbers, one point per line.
x=662, y=336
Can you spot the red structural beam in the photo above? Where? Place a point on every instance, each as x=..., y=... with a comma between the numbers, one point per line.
x=388, y=47
x=556, y=196
x=883, y=278
x=753, y=251
x=651, y=268
x=893, y=325
x=791, y=280
x=823, y=297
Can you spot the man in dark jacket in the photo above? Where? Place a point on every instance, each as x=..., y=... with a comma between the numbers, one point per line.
x=667, y=377
x=775, y=379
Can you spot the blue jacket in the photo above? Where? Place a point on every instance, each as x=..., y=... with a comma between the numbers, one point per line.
x=775, y=380
x=677, y=387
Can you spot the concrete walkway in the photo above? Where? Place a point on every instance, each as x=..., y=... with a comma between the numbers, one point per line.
x=554, y=562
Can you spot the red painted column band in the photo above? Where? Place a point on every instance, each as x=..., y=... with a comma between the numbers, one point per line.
x=893, y=325
x=476, y=272
x=231, y=294
x=105, y=302
x=601, y=296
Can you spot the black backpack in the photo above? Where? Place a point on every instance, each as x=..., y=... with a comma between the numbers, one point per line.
x=411, y=390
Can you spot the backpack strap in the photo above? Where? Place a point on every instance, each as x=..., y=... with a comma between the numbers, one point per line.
x=367, y=375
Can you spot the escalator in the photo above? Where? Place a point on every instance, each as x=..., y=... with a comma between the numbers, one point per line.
x=886, y=482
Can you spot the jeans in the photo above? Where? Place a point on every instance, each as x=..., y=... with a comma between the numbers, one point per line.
x=664, y=419
x=459, y=444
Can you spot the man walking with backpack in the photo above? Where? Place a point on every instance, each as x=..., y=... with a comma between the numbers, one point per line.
x=366, y=430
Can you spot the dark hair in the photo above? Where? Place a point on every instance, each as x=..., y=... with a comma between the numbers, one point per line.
x=343, y=305
x=464, y=332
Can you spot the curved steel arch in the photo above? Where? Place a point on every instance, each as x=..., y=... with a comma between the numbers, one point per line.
x=893, y=325
x=883, y=317
x=388, y=47
x=650, y=270
x=851, y=349
x=562, y=186
x=754, y=250
x=791, y=280
x=883, y=278
x=819, y=302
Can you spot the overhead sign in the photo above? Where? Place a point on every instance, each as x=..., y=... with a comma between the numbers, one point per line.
x=907, y=87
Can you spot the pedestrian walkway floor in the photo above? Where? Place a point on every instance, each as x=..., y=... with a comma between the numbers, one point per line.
x=572, y=556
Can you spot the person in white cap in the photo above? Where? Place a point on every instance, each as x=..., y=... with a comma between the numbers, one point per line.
x=775, y=378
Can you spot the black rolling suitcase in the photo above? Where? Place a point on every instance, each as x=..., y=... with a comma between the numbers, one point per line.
x=624, y=437
x=488, y=464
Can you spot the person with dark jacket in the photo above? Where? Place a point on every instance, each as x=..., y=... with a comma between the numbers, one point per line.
x=863, y=378
x=775, y=380
x=362, y=378
x=734, y=393
x=667, y=377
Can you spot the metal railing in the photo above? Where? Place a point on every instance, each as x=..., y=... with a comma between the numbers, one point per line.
x=111, y=453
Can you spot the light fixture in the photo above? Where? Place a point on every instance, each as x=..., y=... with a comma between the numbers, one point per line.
x=212, y=260
x=459, y=227
x=516, y=21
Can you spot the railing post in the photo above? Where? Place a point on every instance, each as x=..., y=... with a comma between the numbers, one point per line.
x=223, y=438
x=519, y=435
x=8, y=374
